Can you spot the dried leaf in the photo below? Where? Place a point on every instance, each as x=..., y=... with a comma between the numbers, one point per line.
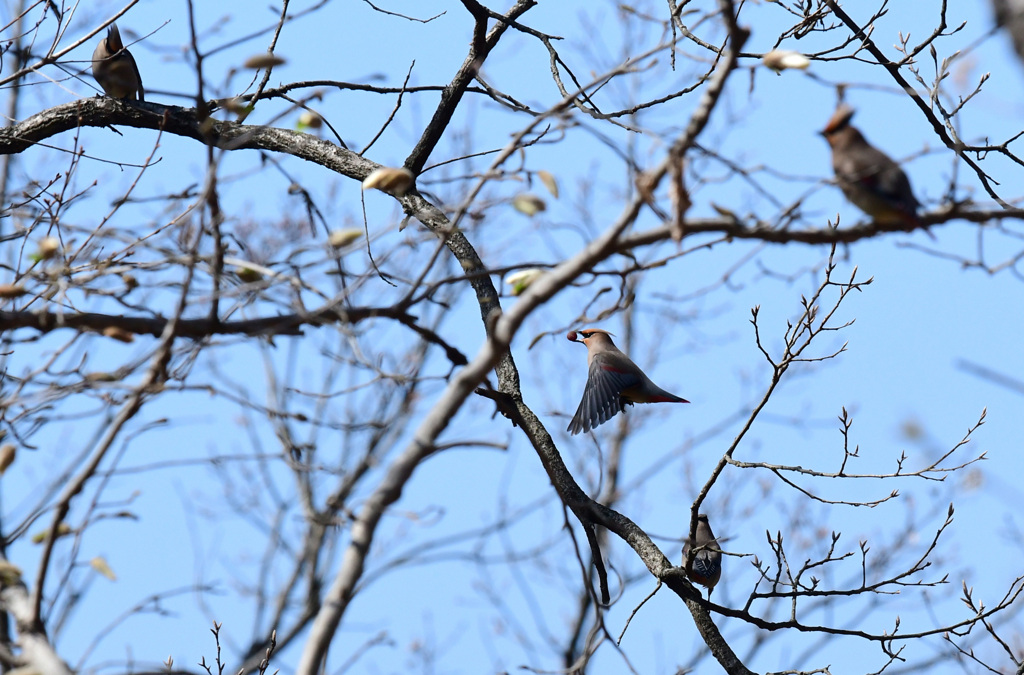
x=7, y=453
x=238, y=106
x=119, y=334
x=248, y=274
x=344, y=237
x=645, y=187
x=10, y=573
x=390, y=180
x=724, y=211
x=101, y=566
x=549, y=182
x=529, y=204
x=263, y=61
x=12, y=290
x=62, y=530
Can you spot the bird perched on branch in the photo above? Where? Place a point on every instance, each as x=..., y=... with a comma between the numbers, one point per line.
x=1010, y=15
x=867, y=176
x=114, y=68
x=613, y=382
x=707, y=557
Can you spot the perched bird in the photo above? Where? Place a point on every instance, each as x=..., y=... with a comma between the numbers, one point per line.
x=1010, y=15
x=114, y=68
x=867, y=176
x=707, y=561
x=613, y=382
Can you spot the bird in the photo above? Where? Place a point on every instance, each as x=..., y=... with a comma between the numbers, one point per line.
x=115, y=69
x=1010, y=15
x=706, y=569
x=612, y=382
x=867, y=176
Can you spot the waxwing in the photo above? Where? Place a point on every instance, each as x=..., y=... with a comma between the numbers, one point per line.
x=114, y=68
x=1010, y=15
x=707, y=558
x=613, y=382
x=867, y=176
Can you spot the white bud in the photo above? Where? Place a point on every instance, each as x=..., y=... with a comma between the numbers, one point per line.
x=521, y=280
x=781, y=59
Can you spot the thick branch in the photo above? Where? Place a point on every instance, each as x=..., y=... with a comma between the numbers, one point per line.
x=36, y=650
x=104, y=112
x=452, y=94
x=285, y=324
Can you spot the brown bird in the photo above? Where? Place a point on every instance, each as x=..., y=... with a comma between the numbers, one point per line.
x=867, y=176
x=1010, y=15
x=114, y=68
x=613, y=382
x=707, y=561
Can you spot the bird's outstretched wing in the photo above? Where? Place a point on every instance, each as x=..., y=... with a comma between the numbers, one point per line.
x=602, y=398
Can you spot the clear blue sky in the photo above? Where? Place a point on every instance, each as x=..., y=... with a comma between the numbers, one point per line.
x=916, y=324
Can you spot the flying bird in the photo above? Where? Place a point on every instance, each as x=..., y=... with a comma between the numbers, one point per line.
x=114, y=68
x=867, y=176
x=707, y=558
x=613, y=382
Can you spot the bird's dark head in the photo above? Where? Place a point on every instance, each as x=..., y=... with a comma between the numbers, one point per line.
x=839, y=121
x=113, y=39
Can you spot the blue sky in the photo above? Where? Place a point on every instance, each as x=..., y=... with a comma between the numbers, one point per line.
x=920, y=320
